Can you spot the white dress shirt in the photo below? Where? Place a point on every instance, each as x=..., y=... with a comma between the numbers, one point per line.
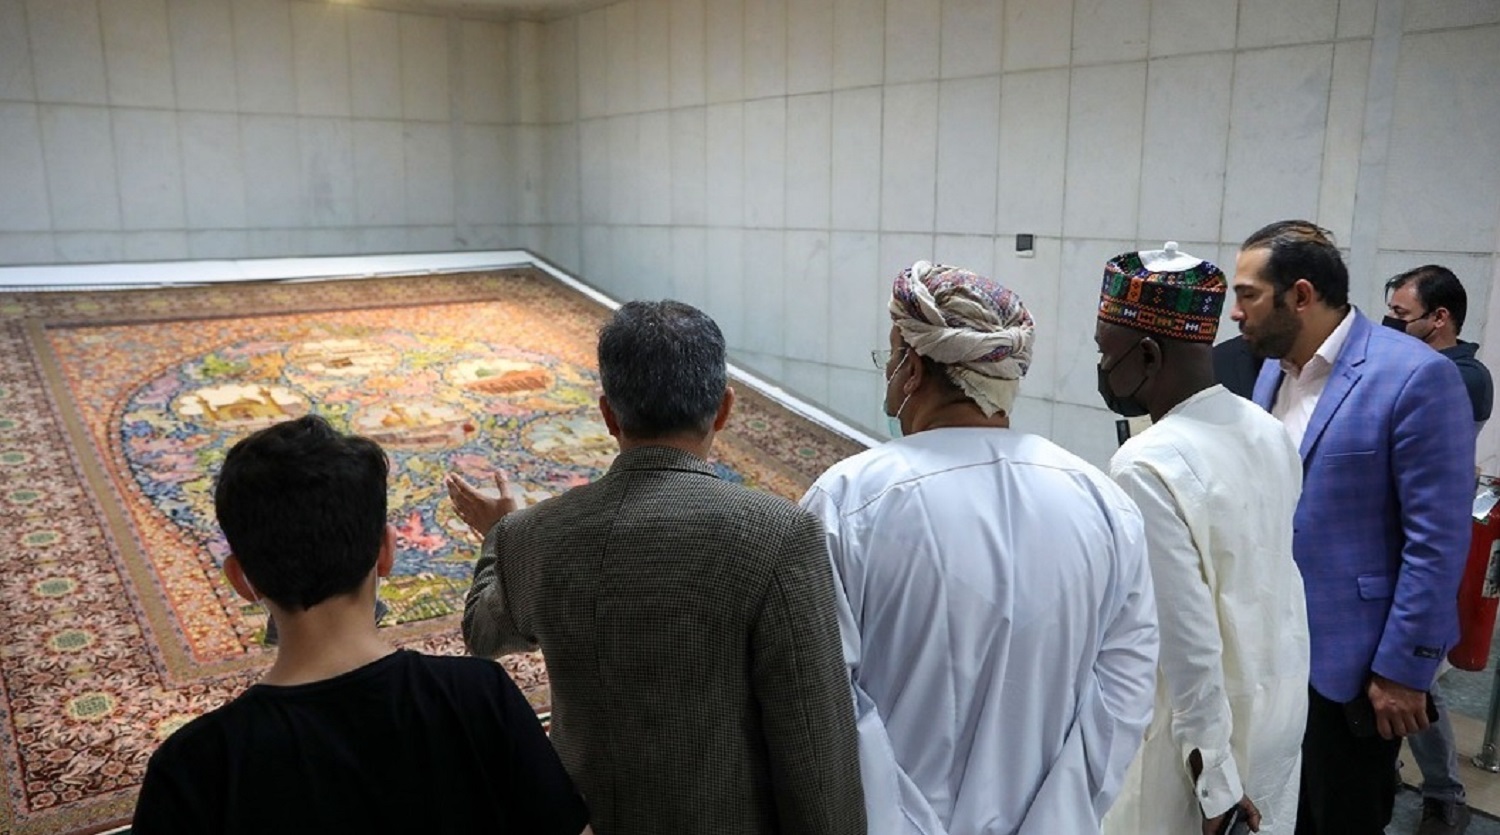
x=1297, y=398
x=1234, y=643
x=999, y=627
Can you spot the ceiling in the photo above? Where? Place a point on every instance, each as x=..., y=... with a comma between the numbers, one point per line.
x=497, y=9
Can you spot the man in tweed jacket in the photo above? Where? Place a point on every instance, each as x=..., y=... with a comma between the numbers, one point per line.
x=689, y=624
x=1386, y=437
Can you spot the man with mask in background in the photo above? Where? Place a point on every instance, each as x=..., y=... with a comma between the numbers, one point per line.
x=1430, y=304
x=1231, y=694
x=994, y=596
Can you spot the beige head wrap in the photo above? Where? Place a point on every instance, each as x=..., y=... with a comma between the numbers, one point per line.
x=978, y=329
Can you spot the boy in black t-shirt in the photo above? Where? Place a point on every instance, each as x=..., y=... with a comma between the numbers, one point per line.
x=345, y=733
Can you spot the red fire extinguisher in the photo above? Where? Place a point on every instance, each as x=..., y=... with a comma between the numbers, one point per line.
x=1479, y=593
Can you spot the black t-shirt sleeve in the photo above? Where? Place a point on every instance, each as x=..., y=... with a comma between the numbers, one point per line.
x=175, y=796
x=539, y=796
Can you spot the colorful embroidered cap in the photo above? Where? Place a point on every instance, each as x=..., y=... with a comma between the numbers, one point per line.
x=1165, y=292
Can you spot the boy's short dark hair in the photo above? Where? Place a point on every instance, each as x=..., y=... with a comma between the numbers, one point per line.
x=304, y=510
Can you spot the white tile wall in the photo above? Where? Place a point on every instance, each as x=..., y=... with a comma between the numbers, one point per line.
x=150, y=170
x=1280, y=22
x=202, y=54
x=155, y=246
x=523, y=174
x=16, y=82
x=856, y=169
x=858, y=42
x=274, y=197
x=809, y=46
x=809, y=156
x=1075, y=357
x=1186, y=142
x=1443, y=14
x=593, y=64
x=855, y=284
x=968, y=154
x=1105, y=124
x=320, y=50
x=1428, y=166
x=726, y=281
x=263, y=56
x=1179, y=27
x=621, y=51
x=913, y=31
x=1035, y=280
x=1033, y=152
x=1357, y=18
x=687, y=60
x=24, y=205
x=429, y=174
x=724, y=190
x=424, y=68
x=765, y=48
x=624, y=169
x=1038, y=34
x=908, y=165
x=972, y=38
x=560, y=70
x=1277, y=123
x=653, y=35
x=213, y=181
x=524, y=72
x=762, y=318
x=80, y=168
x=806, y=306
x=690, y=265
x=654, y=162
x=560, y=165
x=484, y=49
x=765, y=163
x=1109, y=31
x=67, y=51
x=375, y=63
x=1085, y=431
x=327, y=148
x=379, y=173
x=88, y=247
x=137, y=52
x=724, y=41
x=1344, y=139
x=688, y=173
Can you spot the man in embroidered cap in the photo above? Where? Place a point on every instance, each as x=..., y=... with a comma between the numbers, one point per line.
x=1231, y=697
x=994, y=595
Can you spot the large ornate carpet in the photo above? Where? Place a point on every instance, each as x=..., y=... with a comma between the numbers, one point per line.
x=116, y=408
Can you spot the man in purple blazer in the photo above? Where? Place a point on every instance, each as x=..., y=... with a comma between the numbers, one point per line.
x=1380, y=533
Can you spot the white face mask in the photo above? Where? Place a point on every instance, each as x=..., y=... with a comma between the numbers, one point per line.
x=893, y=422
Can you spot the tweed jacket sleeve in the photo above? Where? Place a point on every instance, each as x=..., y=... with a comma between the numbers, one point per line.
x=489, y=628
x=802, y=688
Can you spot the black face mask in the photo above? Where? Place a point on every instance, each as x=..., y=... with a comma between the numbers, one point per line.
x=1394, y=324
x=1124, y=405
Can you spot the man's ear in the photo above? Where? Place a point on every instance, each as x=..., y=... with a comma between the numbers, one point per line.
x=916, y=371
x=387, y=559
x=610, y=421
x=1442, y=316
x=1150, y=355
x=1303, y=294
x=726, y=405
x=237, y=579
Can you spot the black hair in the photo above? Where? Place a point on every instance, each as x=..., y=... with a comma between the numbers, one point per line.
x=1436, y=287
x=663, y=369
x=1302, y=249
x=303, y=508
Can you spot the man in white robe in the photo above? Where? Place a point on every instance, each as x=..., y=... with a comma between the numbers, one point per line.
x=995, y=600
x=1216, y=479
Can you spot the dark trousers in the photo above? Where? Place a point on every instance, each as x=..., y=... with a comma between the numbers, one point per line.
x=1348, y=782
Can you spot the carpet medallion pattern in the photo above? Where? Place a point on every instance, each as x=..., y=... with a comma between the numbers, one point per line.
x=116, y=410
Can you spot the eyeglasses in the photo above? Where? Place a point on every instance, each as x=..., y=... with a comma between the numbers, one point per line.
x=882, y=356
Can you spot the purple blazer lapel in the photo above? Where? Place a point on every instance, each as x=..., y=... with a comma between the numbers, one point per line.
x=1341, y=380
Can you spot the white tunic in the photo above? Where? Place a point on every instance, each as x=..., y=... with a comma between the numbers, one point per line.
x=1217, y=481
x=999, y=627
